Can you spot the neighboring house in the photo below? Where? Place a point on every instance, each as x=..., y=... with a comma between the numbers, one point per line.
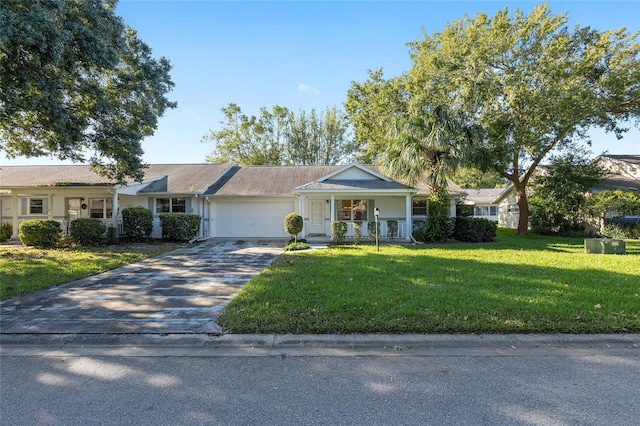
x=623, y=173
x=232, y=201
x=496, y=204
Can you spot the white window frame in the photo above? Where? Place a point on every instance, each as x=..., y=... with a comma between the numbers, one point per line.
x=173, y=203
x=107, y=210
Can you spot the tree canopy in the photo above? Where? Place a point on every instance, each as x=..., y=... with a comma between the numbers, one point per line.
x=280, y=137
x=76, y=83
x=529, y=81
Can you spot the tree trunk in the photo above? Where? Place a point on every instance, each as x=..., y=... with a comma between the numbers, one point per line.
x=523, y=207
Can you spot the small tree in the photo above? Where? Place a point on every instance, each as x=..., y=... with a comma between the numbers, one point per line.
x=619, y=202
x=338, y=231
x=357, y=233
x=293, y=224
x=559, y=197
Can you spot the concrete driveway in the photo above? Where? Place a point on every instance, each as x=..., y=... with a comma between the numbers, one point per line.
x=183, y=291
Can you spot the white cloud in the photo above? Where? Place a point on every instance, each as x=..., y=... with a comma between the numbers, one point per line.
x=306, y=88
x=192, y=114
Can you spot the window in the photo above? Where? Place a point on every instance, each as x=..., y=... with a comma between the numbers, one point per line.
x=419, y=208
x=352, y=210
x=101, y=208
x=485, y=211
x=36, y=206
x=171, y=205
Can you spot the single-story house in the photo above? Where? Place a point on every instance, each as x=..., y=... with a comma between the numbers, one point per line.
x=500, y=205
x=232, y=201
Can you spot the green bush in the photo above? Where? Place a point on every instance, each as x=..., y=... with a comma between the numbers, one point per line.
x=137, y=223
x=6, y=230
x=371, y=230
x=338, y=231
x=179, y=226
x=475, y=230
x=87, y=232
x=293, y=224
x=419, y=230
x=618, y=230
x=357, y=232
x=392, y=226
x=112, y=235
x=296, y=246
x=40, y=233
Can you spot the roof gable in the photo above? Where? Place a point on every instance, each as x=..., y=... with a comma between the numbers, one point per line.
x=354, y=171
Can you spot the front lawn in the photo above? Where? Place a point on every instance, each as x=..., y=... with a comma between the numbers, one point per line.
x=24, y=270
x=516, y=285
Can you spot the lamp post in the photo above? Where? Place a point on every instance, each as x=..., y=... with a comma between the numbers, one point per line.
x=376, y=213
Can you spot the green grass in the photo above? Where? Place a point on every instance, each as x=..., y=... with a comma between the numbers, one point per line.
x=26, y=270
x=515, y=285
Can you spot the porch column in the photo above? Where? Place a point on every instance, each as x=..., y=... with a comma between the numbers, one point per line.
x=114, y=214
x=408, y=211
x=50, y=207
x=14, y=213
x=333, y=208
x=304, y=221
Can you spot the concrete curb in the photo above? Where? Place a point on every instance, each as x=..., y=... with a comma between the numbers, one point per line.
x=351, y=341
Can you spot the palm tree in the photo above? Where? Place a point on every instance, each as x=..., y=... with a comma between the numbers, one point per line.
x=432, y=145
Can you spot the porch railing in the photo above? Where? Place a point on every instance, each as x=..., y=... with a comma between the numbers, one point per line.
x=384, y=229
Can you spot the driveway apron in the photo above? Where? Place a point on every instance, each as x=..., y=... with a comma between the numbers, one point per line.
x=183, y=291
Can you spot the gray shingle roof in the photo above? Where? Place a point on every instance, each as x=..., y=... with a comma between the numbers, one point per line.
x=182, y=178
x=483, y=195
x=268, y=180
x=355, y=185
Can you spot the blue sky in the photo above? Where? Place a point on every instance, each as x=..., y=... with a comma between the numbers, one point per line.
x=303, y=55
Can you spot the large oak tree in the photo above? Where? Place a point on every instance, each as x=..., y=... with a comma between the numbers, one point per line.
x=76, y=83
x=529, y=81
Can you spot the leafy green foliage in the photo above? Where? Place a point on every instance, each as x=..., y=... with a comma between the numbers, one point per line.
x=179, y=226
x=392, y=228
x=112, y=235
x=6, y=230
x=517, y=284
x=293, y=224
x=357, y=233
x=475, y=230
x=295, y=246
x=280, y=137
x=531, y=83
x=40, y=233
x=559, y=195
x=137, y=223
x=371, y=230
x=615, y=228
x=75, y=80
x=338, y=231
x=87, y=232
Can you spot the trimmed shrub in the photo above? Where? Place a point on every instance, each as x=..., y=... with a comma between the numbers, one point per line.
x=112, y=235
x=475, y=230
x=439, y=229
x=6, y=230
x=357, y=232
x=179, y=226
x=371, y=230
x=293, y=224
x=622, y=228
x=419, y=230
x=137, y=223
x=87, y=232
x=392, y=226
x=338, y=231
x=40, y=233
x=296, y=246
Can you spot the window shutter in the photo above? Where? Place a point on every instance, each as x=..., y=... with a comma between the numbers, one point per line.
x=188, y=205
x=371, y=207
x=24, y=206
x=45, y=206
x=151, y=205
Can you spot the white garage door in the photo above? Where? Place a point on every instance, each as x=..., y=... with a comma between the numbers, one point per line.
x=257, y=220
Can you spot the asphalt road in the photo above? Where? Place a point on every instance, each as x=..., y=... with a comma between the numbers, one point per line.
x=379, y=382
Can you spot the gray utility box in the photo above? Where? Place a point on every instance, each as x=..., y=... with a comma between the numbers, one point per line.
x=604, y=245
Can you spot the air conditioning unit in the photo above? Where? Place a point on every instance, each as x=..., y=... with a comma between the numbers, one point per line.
x=604, y=246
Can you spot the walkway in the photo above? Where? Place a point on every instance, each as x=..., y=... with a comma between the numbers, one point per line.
x=183, y=291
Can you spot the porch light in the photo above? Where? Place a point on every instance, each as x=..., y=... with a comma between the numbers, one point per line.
x=376, y=213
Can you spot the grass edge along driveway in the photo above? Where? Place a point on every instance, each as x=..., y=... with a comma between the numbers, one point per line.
x=25, y=270
x=530, y=284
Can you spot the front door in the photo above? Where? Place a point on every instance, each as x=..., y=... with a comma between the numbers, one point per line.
x=316, y=224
